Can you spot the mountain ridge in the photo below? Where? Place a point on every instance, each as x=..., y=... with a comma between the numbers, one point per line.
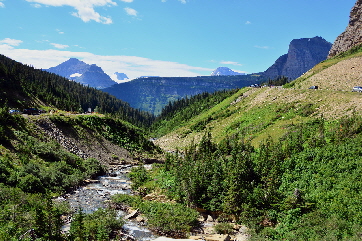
x=81, y=72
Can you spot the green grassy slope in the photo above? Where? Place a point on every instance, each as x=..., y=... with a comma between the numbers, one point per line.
x=259, y=113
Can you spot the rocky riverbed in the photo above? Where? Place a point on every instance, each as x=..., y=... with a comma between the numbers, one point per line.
x=97, y=193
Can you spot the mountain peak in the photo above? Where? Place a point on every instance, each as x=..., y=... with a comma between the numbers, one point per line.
x=303, y=54
x=81, y=72
x=225, y=71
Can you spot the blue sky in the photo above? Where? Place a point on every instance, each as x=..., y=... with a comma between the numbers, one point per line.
x=164, y=37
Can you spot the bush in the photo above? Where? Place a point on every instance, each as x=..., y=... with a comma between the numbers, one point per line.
x=169, y=218
x=139, y=176
x=172, y=219
x=223, y=228
x=95, y=226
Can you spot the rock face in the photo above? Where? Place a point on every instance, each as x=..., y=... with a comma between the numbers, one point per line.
x=225, y=71
x=303, y=54
x=83, y=73
x=352, y=36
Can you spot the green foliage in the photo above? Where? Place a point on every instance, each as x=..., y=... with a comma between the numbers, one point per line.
x=21, y=212
x=139, y=176
x=178, y=112
x=95, y=226
x=304, y=186
x=169, y=217
x=115, y=130
x=172, y=219
x=279, y=81
x=223, y=228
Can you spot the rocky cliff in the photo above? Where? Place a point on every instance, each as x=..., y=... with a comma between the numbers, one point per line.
x=352, y=36
x=303, y=54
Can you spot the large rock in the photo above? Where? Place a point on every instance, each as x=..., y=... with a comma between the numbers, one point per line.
x=303, y=54
x=132, y=215
x=352, y=36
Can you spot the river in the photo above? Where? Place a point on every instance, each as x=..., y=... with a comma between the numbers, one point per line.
x=97, y=192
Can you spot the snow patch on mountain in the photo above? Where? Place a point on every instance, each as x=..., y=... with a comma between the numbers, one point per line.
x=75, y=75
x=225, y=71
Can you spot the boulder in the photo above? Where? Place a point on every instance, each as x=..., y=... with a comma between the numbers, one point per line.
x=218, y=237
x=132, y=215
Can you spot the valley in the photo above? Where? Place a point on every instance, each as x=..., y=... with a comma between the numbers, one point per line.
x=214, y=158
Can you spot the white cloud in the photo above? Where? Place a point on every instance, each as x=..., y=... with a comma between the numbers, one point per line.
x=127, y=1
x=247, y=22
x=230, y=63
x=36, y=5
x=2, y=5
x=131, y=11
x=59, y=46
x=132, y=66
x=85, y=8
x=182, y=1
x=261, y=47
x=240, y=71
x=59, y=31
x=11, y=42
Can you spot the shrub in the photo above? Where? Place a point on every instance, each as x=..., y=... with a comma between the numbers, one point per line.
x=172, y=219
x=223, y=228
x=139, y=176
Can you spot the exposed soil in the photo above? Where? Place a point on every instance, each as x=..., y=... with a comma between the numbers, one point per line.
x=341, y=76
x=88, y=145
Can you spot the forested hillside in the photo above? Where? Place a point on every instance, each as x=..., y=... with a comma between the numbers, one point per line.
x=153, y=93
x=177, y=113
x=23, y=86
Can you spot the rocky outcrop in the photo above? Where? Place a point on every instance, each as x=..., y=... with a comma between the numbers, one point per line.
x=303, y=54
x=352, y=36
x=89, y=146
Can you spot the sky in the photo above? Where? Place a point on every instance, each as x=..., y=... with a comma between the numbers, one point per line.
x=164, y=37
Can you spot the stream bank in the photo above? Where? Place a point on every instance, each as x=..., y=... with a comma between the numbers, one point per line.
x=97, y=194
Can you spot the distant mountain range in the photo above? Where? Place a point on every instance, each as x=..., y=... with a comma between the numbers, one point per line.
x=83, y=73
x=152, y=93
